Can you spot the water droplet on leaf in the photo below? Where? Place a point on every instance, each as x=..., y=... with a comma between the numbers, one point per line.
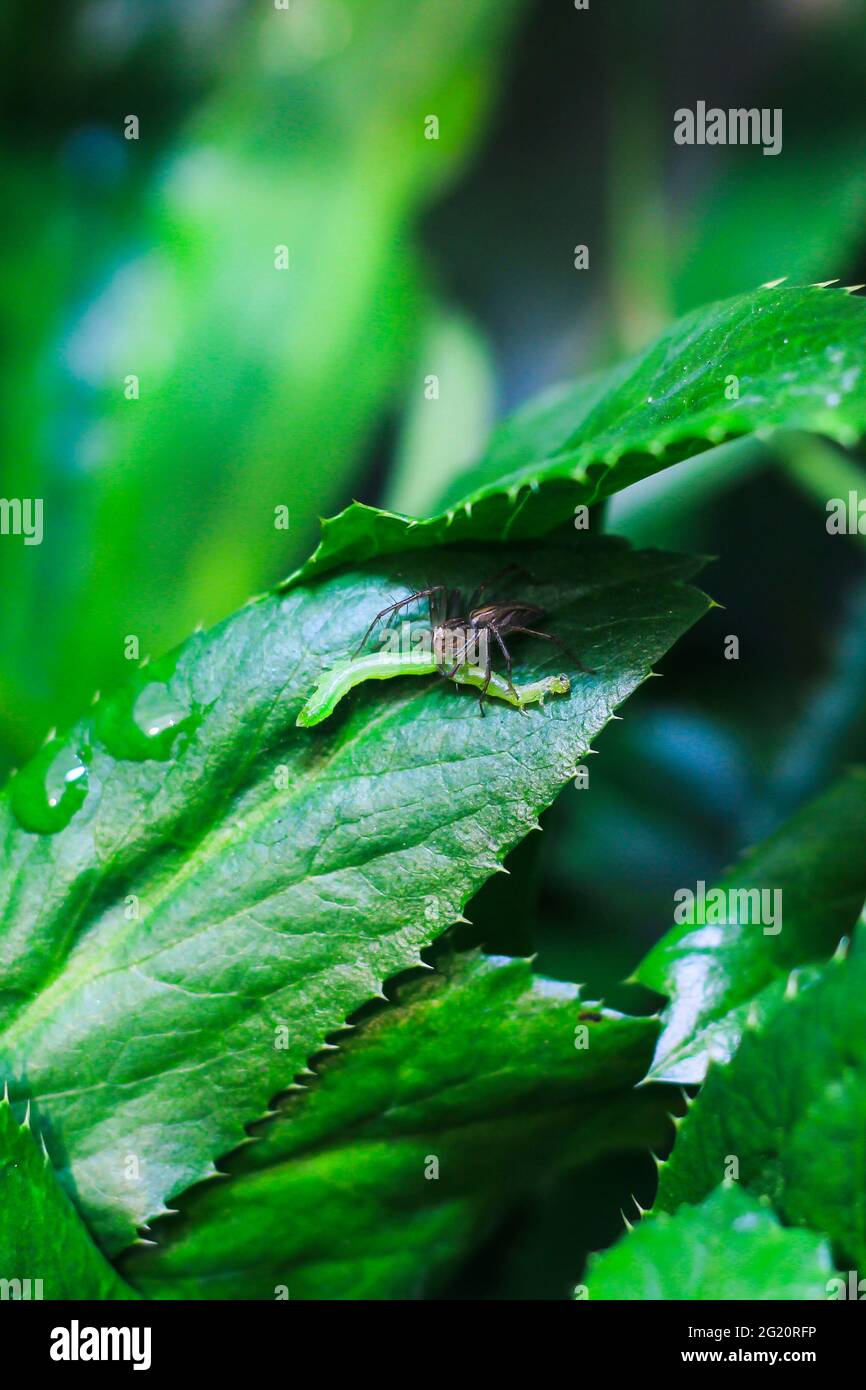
x=45, y=794
x=144, y=719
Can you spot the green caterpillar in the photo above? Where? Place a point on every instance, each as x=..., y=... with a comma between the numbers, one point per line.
x=334, y=684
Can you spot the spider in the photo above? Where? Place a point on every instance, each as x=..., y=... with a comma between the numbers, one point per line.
x=458, y=639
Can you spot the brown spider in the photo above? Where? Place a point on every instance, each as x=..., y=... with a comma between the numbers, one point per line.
x=461, y=639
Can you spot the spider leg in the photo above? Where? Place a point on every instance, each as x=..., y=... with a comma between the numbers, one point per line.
x=461, y=661
x=392, y=608
x=488, y=673
x=549, y=637
x=507, y=654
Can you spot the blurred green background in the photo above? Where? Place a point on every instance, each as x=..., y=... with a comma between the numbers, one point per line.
x=302, y=388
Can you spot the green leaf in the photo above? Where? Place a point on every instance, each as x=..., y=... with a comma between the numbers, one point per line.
x=799, y=359
x=251, y=876
x=714, y=973
x=43, y=1242
x=825, y=1166
x=417, y=1133
x=730, y=1247
x=789, y=1108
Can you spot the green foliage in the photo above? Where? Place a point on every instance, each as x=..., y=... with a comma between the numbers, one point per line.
x=42, y=1237
x=794, y=357
x=784, y=1101
x=789, y=1109
x=729, y=1247
x=262, y=876
x=716, y=974
x=258, y=387
x=197, y=893
x=427, y=1121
